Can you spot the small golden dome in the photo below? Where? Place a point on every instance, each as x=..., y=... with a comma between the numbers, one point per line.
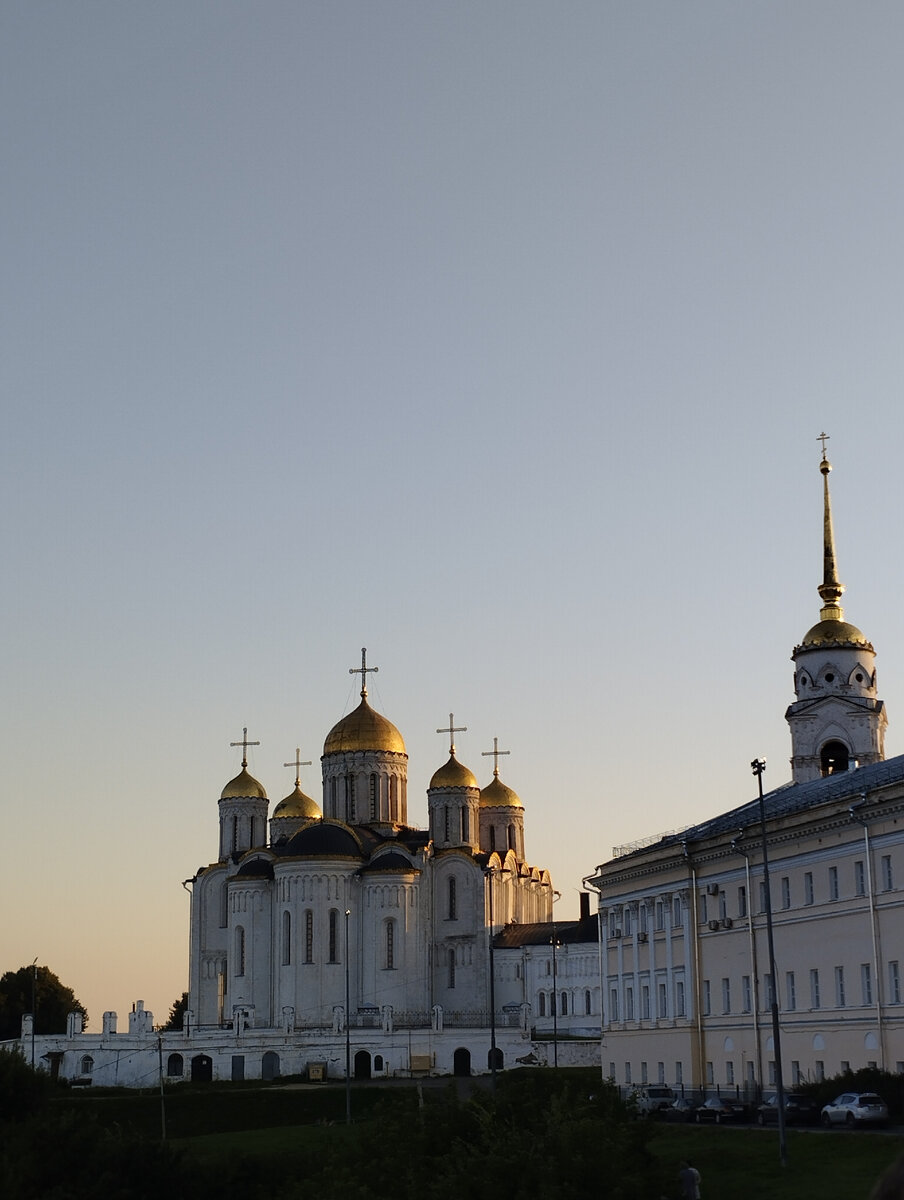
x=364, y=729
x=834, y=633
x=497, y=795
x=297, y=804
x=453, y=774
x=243, y=785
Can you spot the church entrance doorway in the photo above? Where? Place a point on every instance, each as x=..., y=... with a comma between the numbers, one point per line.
x=270, y=1065
x=497, y=1054
x=362, y=1065
x=201, y=1068
x=461, y=1061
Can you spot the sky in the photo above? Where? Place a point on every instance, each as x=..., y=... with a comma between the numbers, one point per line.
x=495, y=337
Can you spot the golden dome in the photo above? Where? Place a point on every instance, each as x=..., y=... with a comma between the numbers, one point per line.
x=834, y=633
x=297, y=804
x=453, y=775
x=497, y=795
x=243, y=785
x=364, y=729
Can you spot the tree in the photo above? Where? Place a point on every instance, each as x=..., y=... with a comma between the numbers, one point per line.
x=52, y=1000
x=177, y=1013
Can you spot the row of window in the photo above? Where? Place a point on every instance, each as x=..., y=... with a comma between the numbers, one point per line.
x=833, y=890
x=731, y=1078
x=548, y=1004
x=841, y=990
x=643, y=1010
x=621, y=921
x=373, y=797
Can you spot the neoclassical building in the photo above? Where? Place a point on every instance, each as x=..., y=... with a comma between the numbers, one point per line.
x=687, y=991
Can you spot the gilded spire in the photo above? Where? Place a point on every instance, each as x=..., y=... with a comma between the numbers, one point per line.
x=830, y=589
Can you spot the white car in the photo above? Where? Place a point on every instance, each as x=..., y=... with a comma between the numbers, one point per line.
x=855, y=1108
x=653, y=1098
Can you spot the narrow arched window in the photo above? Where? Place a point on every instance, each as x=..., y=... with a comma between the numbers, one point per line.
x=541, y=1004
x=239, y=950
x=446, y=824
x=390, y=945
x=453, y=898
x=492, y=837
x=350, y=806
x=393, y=798
x=332, y=797
x=308, y=936
x=511, y=837
x=374, y=791
x=465, y=825
x=564, y=1004
x=834, y=758
x=452, y=967
x=587, y=1003
x=235, y=834
x=86, y=1065
x=334, y=936
x=224, y=905
x=174, y=1066
x=286, y=938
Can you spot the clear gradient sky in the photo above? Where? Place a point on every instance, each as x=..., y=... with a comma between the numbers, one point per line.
x=495, y=337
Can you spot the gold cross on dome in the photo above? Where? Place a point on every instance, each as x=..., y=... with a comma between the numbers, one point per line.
x=823, y=437
x=496, y=752
x=244, y=743
x=364, y=670
x=297, y=764
x=451, y=729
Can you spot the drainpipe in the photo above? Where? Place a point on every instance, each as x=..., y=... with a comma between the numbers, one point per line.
x=698, y=997
x=753, y=966
x=873, y=924
x=588, y=883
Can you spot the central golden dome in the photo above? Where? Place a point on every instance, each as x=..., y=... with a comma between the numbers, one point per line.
x=364, y=729
x=453, y=774
x=834, y=633
x=297, y=804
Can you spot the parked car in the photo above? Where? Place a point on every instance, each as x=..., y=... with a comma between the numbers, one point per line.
x=799, y=1109
x=681, y=1109
x=652, y=1099
x=855, y=1108
x=719, y=1109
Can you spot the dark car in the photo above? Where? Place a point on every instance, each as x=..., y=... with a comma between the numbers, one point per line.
x=681, y=1109
x=719, y=1109
x=799, y=1110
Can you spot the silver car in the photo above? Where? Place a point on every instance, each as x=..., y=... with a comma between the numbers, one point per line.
x=855, y=1108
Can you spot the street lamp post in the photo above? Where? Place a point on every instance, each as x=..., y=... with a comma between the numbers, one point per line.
x=490, y=874
x=348, y=1028
x=758, y=766
x=34, y=1008
x=554, y=942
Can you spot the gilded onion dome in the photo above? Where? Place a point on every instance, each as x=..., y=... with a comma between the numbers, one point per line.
x=497, y=795
x=453, y=774
x=835, y=633
x=297, y=804
x=364, y=729
x=242, y=787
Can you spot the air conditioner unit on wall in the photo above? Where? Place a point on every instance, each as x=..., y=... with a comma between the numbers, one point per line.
x=714, y=925
x=641, y=937
x=727, y=922
x=712, y=889
x=616, y=933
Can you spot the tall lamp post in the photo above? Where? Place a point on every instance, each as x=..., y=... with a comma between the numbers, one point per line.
x=348, y=1028
x=490, y=873
x=554, y=942
x=34, y=1008
x=758, y=766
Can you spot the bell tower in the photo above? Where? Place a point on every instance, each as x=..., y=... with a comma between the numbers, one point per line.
x=837, y=722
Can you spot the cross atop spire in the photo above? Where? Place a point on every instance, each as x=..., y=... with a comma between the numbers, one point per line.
x=297, y=764
x=496, y=752
x=363, y=671
x=244, y=743
x=452, y=729
x=831, y=589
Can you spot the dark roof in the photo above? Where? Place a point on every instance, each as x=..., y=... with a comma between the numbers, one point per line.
x=789, y=799
x=257, y=866
x=392, y=861
x=323, y=838
x=541, y=933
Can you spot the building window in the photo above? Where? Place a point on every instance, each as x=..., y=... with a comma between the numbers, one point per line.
x=453, y=898
x=887, y=879
x=676, y=912
x=613, y=1005
x=839, y=987
x=643, y=1073
x=786, y=892
x=334, y=936
x=894, y=983
x=239, y=950
x=627, y=1072
x=679, y=1072
x=729, y=1073
x=742, y=901
x=626, y=921
x=541, y=1004
x=645, y=1002
x=795, y=1072
x=629, y=1004
x=845, y=1066
x=333, y=797
x=746, y=998
x=710, y=1075
x=350, y=800
x=866, y=982
x=613, y=923
x=511, y=837
x=808, y=887
x=308, y=936
x=286, y=938
x=224, y=906
x=833, y=883
x=374, y=791
x=819, y=1069
x=660, y=916
x=660, y=1072
x=726, y=995
x=492, y=837
x=465, y=825
x=452, y=967
x=790, y=992
x=679, y=998
x=663, y=1001
x=587, y=1003
x=772, y=1072
x=390, y=945
x=814, y=989
x=859, y=879
x=706, y=998
x=643, y=918
x=393, y=798
x=563, y=1004
x=86, y=1065
x=175, y=1066
x=704, y=914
